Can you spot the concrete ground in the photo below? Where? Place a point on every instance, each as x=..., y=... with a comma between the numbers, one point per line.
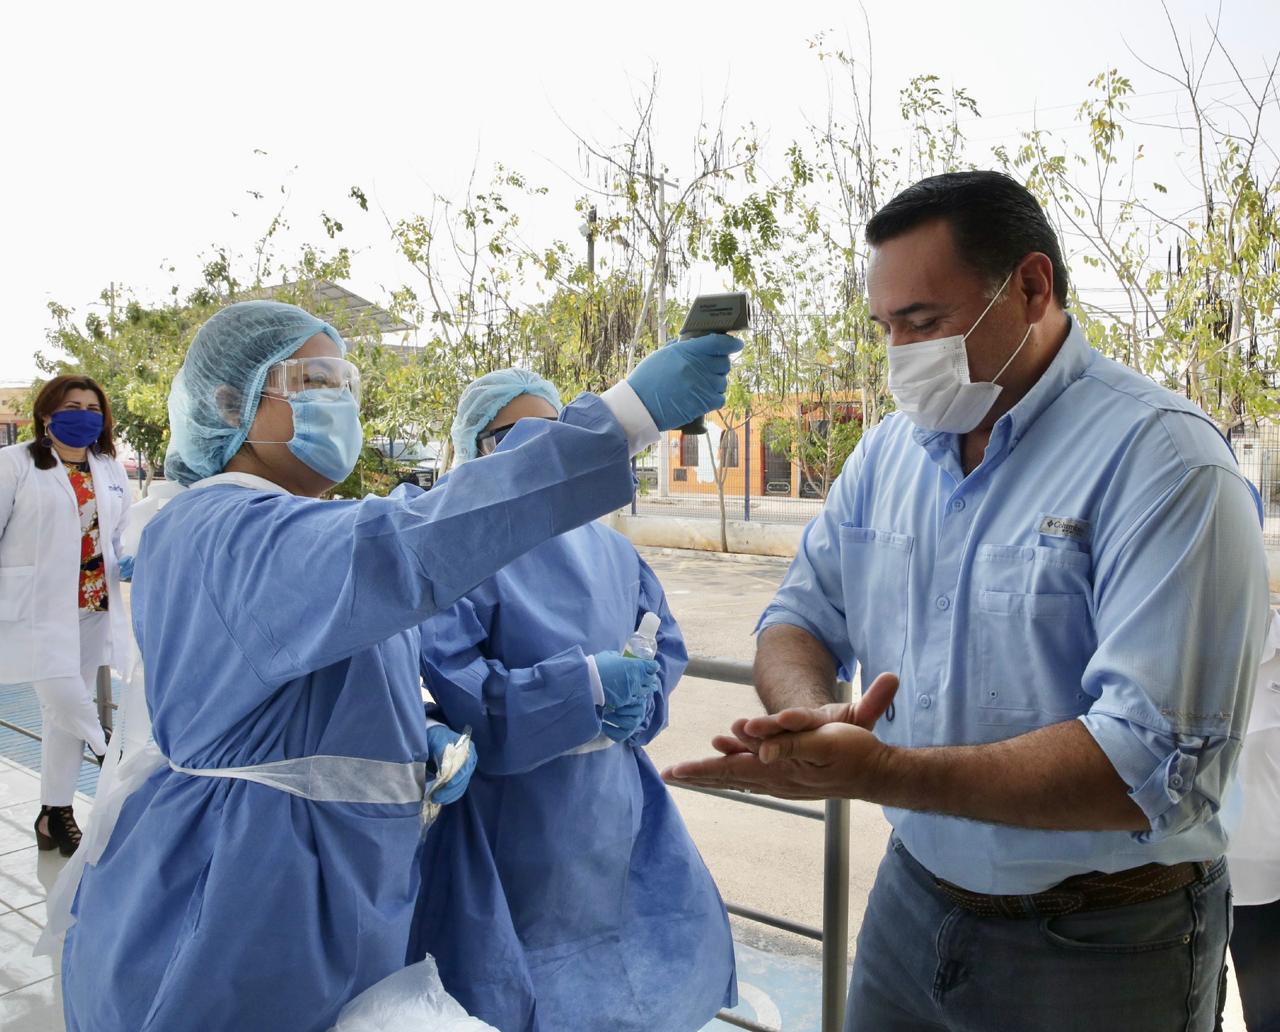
x=768, y=861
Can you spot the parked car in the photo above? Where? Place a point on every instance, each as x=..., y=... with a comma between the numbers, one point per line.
x=419, y=463
x=138, y=471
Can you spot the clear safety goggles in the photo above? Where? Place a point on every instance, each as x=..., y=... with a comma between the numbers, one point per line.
x=322, y=373
x=487, y=442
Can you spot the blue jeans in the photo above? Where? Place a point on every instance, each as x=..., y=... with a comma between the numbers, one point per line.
x=924, y=963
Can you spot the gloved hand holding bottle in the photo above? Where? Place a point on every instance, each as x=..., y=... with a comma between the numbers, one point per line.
x=629, y=684
x=439, y=738
x=623, y=722
x=685, y=379
x=624, y=679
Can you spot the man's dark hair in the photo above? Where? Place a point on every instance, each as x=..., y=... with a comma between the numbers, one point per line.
x=995, y=222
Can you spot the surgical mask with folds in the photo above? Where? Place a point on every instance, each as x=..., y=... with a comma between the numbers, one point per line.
x=327, y=436
x=930, y=380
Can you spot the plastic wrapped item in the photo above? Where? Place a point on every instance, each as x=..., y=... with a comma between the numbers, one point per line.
x=412, y=999
x=453, y=760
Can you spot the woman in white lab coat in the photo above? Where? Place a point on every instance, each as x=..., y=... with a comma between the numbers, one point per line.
x=64, y=501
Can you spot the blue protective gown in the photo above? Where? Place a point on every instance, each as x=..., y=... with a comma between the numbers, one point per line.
x=565, y=894
x=276, y=627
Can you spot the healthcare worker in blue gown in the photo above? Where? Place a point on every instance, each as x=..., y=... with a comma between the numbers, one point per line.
x=563, y=891
x=264, y=871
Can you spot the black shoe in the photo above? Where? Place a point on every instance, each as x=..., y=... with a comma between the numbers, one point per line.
x=61, y=830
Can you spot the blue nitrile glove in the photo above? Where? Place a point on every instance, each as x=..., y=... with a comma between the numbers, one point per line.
x=623, y=722
x=126, y=568
x=439, y=738
x=685, y=379
x=624, y=678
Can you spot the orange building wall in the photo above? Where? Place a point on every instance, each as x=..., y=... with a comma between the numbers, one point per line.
x=734, y=479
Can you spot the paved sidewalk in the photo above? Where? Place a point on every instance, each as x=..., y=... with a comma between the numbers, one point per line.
x=30, y=987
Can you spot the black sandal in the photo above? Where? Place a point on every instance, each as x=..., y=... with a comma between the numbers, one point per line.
x=63, y=832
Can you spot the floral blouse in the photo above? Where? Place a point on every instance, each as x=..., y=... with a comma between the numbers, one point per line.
x=93, y=572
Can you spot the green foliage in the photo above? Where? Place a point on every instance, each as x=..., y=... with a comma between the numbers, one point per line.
x=820, y=442
x=1198, y=292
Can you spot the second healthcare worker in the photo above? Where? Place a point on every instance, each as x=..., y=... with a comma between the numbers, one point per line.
x=590, y=905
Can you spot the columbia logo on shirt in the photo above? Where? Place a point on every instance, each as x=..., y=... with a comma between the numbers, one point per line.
x=1065, y=527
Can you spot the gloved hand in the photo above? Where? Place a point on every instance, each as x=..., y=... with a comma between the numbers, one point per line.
x=624, y=678
x=126, y=567
x=685, y=379
x=623, y=722
x=440, y=738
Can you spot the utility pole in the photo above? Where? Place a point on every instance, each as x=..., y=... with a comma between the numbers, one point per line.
x=591, y=243
x=660, y=275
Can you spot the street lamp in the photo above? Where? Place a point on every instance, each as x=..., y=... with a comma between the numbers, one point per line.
x=588, y=230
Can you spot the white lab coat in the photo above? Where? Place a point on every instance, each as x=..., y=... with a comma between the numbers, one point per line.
x=40, y=565
x=1252, y=808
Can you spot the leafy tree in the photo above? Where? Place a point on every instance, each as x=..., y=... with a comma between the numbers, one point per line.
x=1199, y=288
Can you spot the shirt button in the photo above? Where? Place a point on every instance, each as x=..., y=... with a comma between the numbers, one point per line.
x=1175, y=781
x=958, y=505
x=943, y=602
x=925, y=702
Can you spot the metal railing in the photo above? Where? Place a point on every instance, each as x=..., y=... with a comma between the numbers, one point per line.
x=834, y=933
x=105, y=710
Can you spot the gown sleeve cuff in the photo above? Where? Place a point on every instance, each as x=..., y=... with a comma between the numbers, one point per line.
x=629, y=411
x=597, y=686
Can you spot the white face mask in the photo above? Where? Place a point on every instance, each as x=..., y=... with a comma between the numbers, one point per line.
x=930, y=380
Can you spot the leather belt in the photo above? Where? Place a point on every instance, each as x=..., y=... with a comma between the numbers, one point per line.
x=1083, y=892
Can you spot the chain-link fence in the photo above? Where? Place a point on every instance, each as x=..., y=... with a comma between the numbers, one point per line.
x=760, y=482
x=1258, y=452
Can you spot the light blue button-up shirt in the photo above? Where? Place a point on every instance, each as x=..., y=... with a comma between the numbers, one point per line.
x=1104, y=563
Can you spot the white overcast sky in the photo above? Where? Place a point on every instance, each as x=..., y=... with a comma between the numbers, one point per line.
x=129, y=129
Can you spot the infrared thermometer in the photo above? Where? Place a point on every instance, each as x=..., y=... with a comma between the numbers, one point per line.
x=714, y=313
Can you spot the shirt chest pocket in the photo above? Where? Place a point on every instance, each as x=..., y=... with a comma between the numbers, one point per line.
x=1033, y=633
x=874, y=567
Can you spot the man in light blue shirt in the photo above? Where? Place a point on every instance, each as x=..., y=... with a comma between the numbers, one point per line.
x=1059, y=568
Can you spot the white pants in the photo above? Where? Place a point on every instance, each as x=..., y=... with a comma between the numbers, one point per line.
x=70, y=711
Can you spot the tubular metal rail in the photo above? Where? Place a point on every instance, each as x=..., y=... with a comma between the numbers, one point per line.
x=834, y=933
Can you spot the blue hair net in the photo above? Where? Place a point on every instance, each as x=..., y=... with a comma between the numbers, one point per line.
x=485, y=397
x=214, y=397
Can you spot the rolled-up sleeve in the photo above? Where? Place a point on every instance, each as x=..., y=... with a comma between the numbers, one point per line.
x=811, y=596
x=1180, y=602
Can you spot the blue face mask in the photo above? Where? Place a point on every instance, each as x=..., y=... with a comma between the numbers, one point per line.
x=327, y=435
x=76, y=428
x=326, y=432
